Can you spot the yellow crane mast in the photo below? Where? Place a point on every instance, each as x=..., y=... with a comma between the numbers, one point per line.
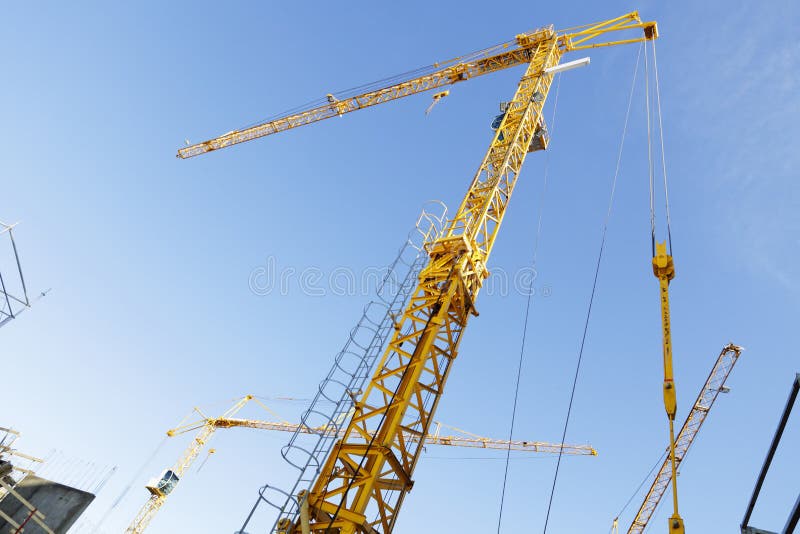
x=365, y=478
x=715, y=384
x=162, y=487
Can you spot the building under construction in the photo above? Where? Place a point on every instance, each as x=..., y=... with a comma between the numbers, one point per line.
x=32, y=504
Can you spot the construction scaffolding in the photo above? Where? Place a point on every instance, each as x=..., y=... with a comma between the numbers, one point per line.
x=11, y=476
x=13, y=292
x=31, y=503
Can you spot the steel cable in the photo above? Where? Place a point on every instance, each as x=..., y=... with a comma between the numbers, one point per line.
x=527, y=313
x=663, y=156
x=650, y=171
x=594, y=289
x=645, y=479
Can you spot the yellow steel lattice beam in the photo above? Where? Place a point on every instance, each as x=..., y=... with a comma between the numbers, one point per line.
x=362, y=485
x=368, y=473
x=207, y=426
x=487, y=61
x=156, y=500
x=458, y=439
x=705, y=400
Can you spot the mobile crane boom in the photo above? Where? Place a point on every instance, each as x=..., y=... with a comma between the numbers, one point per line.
x=705, y=400
x=365, y=478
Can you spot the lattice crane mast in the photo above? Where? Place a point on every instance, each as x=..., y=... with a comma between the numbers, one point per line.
x=705, y=400
x=362, y=485
x=162, y=487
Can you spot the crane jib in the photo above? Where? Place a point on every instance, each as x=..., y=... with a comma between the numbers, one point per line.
x=512, y=53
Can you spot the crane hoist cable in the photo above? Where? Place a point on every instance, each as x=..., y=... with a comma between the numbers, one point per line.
x=664, y=271
x=130, y=484
x=651, y=168
x=615, y=525
x=663, y=157
x=527, y=308
x=594, y=282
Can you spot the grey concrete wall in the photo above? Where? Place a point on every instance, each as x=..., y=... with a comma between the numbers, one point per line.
x=60, y=504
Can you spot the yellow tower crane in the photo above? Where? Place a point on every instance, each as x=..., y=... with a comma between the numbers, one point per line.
x=715, y=384
x=160, y=488
x=365, y=478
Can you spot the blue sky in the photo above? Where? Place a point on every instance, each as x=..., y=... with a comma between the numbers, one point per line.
x=149, y=257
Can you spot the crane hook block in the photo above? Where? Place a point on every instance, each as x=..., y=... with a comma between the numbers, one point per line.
x=436, y=98
x=676, y=525
x=663, y=266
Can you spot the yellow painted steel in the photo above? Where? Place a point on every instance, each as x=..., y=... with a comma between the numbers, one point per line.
x=155, y=502
x=509, y=54
x=207, y=426
x=462, y=438
x=367, y=475
x=362, y=485
x=700, y=409
x=664, y=270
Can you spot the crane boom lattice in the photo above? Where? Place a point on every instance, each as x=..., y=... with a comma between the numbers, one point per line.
x=161, y=488
x=705, y=400
x=368, y=473
x=518, y=51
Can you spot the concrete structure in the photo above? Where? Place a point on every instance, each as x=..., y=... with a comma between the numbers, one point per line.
x=61, y=505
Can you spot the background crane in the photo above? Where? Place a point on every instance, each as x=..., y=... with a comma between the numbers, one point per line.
x=702, y=406
x=366, y=476
x=162, y=487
